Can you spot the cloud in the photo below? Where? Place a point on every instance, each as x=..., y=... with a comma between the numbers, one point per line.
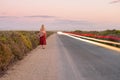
x=4, y=16
x=8, y=17
x=40, y=16
x=115, y=1
x=66, y=24
x=79, y=22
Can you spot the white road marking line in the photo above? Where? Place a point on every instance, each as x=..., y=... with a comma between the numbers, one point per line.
x=92, y=42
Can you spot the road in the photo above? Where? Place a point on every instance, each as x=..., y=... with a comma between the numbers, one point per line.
x=66, y=58
x=92, y=62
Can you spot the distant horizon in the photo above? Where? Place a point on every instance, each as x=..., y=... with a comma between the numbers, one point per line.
x=69, y=25
x=60, y=30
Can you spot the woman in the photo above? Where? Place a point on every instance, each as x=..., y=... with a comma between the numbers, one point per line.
x=42, y=36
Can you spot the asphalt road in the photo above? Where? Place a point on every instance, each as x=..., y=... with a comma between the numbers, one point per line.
x=85, y=61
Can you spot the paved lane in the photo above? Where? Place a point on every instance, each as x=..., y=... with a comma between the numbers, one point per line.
x=91, y=62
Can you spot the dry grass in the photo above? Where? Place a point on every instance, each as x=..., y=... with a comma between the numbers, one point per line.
x=15, y=44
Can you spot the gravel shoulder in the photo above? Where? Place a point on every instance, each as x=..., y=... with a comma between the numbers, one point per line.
x=40, y=64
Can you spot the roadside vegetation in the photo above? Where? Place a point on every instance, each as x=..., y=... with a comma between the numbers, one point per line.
x=14, y=45
x=109, y=37
x=112, y=35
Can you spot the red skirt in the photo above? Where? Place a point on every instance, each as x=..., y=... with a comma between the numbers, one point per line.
x=43, y=40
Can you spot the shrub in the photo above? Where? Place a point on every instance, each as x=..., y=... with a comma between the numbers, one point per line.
x=15, y=44
x=6, y=56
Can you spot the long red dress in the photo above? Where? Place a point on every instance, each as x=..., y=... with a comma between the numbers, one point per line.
x=43, y=39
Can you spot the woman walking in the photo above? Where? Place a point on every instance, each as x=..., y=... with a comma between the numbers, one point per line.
x=42, y=36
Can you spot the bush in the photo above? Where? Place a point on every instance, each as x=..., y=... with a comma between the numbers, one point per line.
x=15, y=44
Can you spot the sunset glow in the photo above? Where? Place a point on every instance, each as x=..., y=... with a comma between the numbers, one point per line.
x=32, y=13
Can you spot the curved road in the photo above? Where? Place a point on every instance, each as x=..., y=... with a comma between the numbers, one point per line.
x=66, y=58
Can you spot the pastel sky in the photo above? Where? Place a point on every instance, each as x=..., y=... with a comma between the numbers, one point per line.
x=59, y=14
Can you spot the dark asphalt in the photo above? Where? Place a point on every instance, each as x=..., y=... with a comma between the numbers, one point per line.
x=85, y=61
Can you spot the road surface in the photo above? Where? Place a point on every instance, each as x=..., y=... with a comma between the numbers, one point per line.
x=66, y=58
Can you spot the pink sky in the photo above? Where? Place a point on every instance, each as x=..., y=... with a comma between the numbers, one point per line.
x=96, y=11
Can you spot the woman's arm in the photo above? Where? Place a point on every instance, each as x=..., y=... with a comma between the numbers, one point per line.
x=41, y=34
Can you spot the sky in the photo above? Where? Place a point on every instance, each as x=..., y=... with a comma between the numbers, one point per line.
x=59, y=14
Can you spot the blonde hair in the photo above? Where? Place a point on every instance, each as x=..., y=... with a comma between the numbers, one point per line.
x=42, y=27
